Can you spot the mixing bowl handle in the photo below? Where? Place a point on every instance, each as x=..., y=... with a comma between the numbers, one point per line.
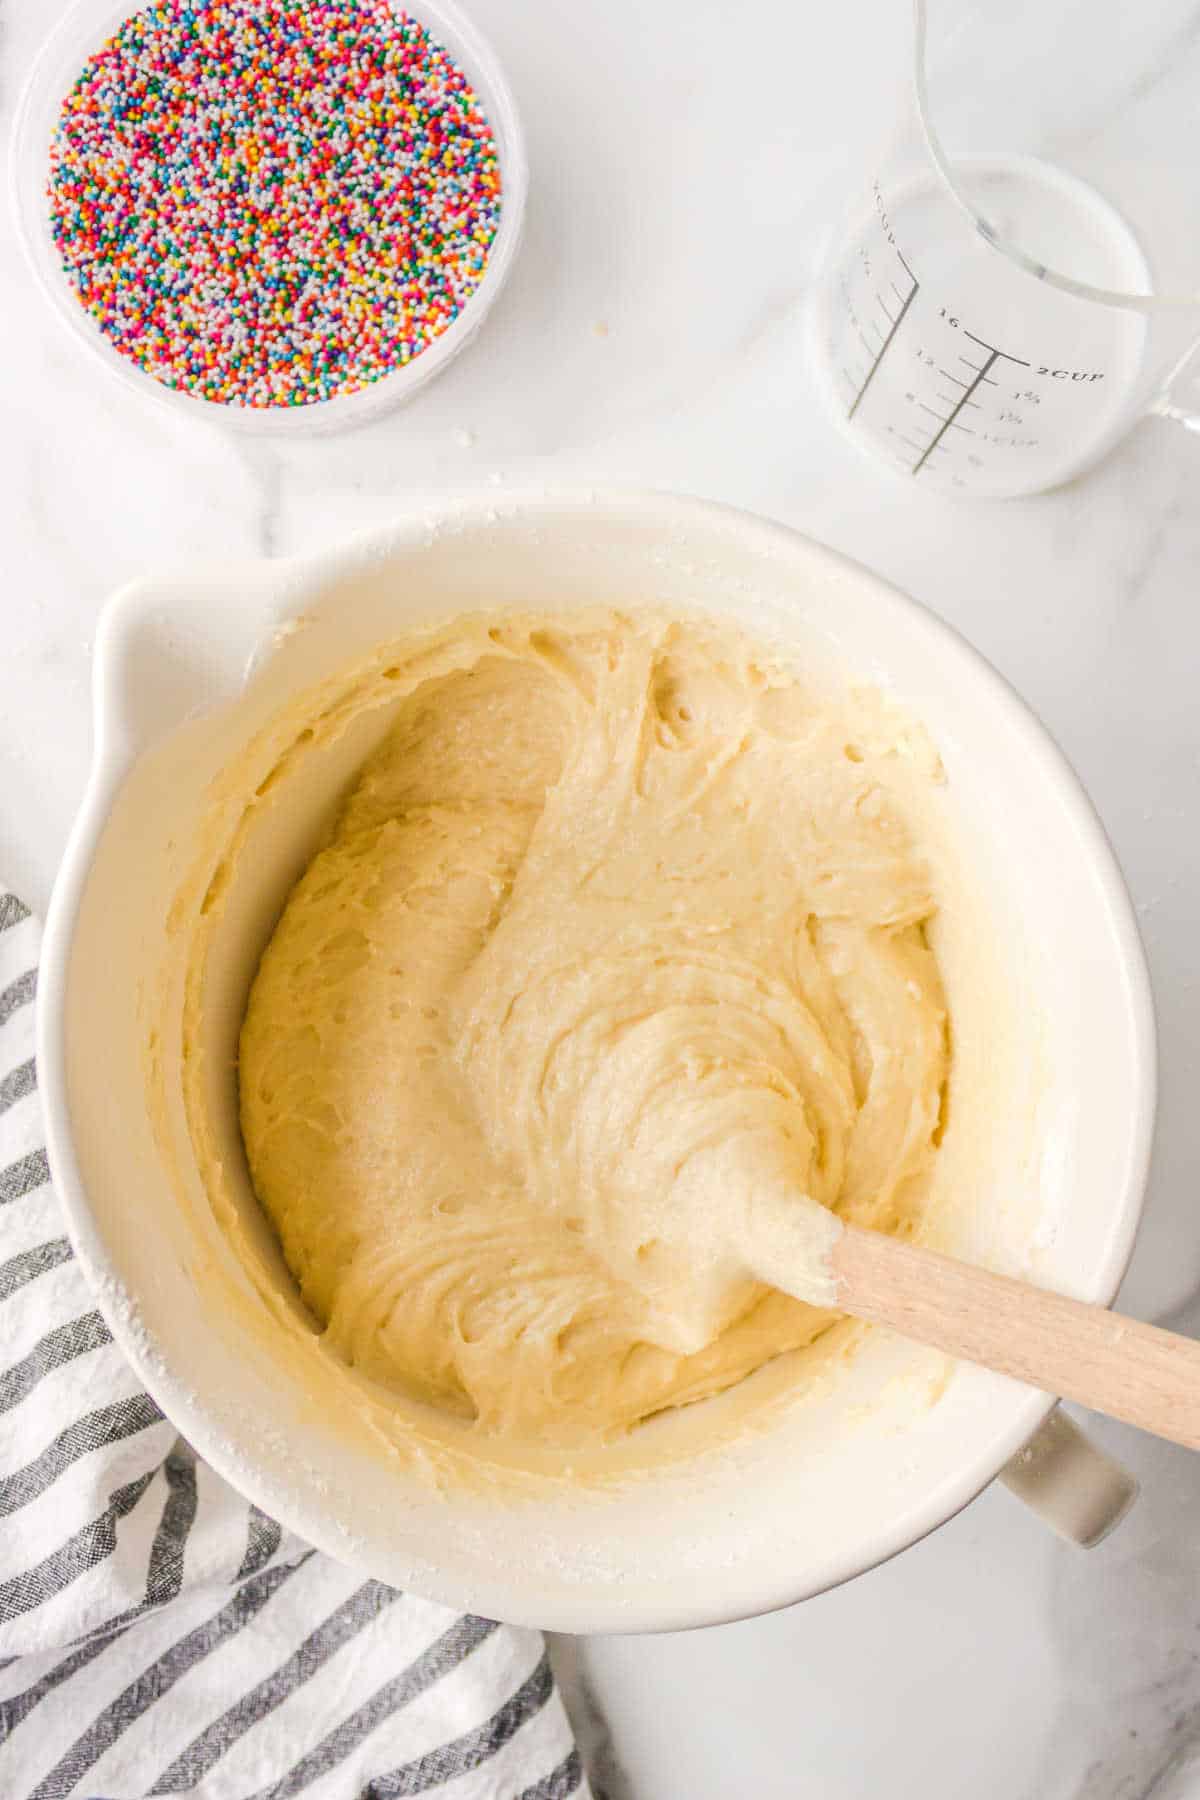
x=1072, y=1485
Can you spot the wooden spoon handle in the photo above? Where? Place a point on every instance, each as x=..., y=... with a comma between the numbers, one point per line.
x=1135, y=1372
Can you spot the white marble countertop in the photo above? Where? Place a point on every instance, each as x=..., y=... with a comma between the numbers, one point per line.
x=684, y=158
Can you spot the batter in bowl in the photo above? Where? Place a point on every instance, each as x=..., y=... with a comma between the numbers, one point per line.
x=620, y=913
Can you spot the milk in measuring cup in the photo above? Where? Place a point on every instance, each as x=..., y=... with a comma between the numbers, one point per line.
x=968, y=369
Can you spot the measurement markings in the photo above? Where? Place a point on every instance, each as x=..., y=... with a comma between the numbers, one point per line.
x=957, y=383
x=980, y=372
x=1004, y=353
x=887, y=341
x=981, y=376
x=981, y=369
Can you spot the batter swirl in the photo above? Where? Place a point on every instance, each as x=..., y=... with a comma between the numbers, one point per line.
x=618, y=908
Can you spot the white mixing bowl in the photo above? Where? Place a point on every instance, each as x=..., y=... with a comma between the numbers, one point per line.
x=191, y=676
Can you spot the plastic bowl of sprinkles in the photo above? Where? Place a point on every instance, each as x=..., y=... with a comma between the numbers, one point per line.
x=279, y=215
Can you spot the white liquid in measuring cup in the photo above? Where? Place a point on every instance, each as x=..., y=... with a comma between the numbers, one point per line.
x=961, y=366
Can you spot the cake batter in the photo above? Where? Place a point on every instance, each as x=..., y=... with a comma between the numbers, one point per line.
x=621, y=925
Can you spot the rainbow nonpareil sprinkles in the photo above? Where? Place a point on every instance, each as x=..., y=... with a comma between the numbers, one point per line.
x=270, y=203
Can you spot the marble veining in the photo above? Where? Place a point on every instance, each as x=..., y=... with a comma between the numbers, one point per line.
x=686, y=159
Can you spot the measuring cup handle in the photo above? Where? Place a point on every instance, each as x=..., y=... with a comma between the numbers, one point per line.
x=1180, y=398
x=1072, y=1485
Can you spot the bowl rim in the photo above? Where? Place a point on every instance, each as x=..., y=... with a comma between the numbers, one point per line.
x=593, y=1611
x=92, y=20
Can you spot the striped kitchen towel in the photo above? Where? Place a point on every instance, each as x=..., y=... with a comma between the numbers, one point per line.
x=161, y=1635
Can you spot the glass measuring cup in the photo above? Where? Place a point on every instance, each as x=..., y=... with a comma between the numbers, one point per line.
x=1019, y=280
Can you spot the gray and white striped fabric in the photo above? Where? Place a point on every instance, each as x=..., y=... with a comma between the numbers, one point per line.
x=160, y=1635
